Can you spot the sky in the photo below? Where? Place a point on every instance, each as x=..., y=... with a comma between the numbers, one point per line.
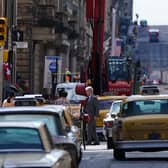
x=154, y=11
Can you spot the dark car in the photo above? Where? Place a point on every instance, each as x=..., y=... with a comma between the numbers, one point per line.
x=149, y=89
x=153, y=35
x=51, y=116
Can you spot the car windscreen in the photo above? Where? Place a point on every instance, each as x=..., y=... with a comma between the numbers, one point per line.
x=143, y=107
x=105, y=104
x=52, y=122
x=14, y=139
x=115, y=108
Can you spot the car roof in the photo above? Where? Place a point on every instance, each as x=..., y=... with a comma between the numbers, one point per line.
x=117, y=101
x=66, y=85
x=145, y=97
x=33, y=110
x=153, y=30
x=33, y=95
x=111, y=97
x=25, y=98
x=20, y=124
x=149, y=86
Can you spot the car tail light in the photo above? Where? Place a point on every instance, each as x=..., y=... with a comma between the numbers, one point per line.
x=86, y=118
x=108, y=123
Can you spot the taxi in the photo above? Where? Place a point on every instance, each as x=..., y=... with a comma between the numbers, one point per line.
x=142, y=125
x=105, y=103
x=29, y=100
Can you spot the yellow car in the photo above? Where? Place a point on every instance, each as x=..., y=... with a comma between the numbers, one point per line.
x=142, y=125
x=105, y=103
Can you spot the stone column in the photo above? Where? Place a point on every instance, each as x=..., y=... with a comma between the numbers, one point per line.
x=38, y=67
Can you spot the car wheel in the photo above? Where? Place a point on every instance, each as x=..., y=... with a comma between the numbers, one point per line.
x=74, y=163
x=80, y=157
x=119, y=154
x=109, y=143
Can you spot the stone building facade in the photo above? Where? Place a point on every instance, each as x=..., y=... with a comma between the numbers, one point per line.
x=51, y=28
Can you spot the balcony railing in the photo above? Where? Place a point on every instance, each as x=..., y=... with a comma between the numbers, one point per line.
x=62, y=25
x=45, y=16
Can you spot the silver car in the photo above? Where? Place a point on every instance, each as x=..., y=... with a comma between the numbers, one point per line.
x=52, y=118
x=28, y=144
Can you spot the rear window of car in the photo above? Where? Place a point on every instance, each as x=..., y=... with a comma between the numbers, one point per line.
x=105, y=104
x=20, y=139
x=53, y=123
x=154, y=33
x=145, y=107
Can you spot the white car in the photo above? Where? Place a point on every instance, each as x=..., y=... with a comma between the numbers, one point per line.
x=109, y=120
x=149, y=89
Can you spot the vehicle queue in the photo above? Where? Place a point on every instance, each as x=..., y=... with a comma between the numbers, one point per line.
x=128, y=123
x=57, y=121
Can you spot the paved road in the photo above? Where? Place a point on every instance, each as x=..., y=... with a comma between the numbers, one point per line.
x=99, y=157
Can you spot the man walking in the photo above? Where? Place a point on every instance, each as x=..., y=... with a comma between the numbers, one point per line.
x=92, y=109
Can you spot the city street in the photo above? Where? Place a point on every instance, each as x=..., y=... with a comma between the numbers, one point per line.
x=99, y=157
x=153, y=56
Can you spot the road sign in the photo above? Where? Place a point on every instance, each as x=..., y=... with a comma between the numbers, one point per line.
x=50, y=67
x=23, y=44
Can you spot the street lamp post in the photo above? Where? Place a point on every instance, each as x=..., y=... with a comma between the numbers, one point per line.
x=113, y=32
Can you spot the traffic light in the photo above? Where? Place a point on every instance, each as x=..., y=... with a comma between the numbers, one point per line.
x=5, y=56
x=3, y=30
x=17, y=35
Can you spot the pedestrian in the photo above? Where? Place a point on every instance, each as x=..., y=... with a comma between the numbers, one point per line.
x=62, y=100
x=9, y=102
x=92, y=109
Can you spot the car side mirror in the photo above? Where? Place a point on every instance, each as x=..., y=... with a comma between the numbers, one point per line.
x=74, y=129
x=67, y=128
x=113, y=115
x=118, y=115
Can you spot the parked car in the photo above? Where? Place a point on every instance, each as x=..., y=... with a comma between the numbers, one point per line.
x=153, y=35
x=28, y=144
x=52, y=118
x=149, y=89
x=25, y=101
x=104, y=107
x=141, y=125
x=109, y=120
x=39, y=97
